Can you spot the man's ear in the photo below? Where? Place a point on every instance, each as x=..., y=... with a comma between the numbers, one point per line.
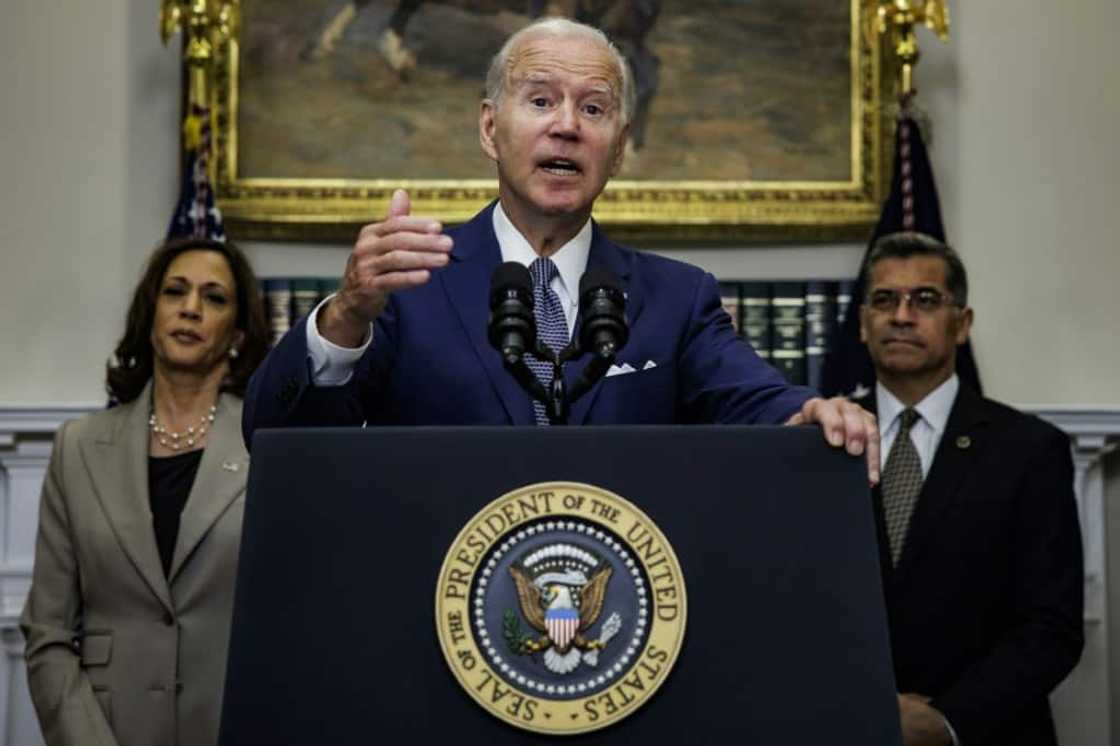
x=487, y=126
x=620, y=150
x=964, y=325
x=862, y=321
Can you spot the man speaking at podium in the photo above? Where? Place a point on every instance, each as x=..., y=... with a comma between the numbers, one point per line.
x=404, y=342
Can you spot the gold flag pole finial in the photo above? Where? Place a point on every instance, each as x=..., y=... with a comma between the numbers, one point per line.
x=207, y=25
x=898, y=18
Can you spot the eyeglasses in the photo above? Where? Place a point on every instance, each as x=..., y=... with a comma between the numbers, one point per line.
x=922, y=300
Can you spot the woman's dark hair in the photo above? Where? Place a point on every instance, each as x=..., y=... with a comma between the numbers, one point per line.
x=129, y=371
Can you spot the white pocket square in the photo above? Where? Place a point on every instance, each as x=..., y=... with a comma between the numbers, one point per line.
x=618, y=370
x=649, y=364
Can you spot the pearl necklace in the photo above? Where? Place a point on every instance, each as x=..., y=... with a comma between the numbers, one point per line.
x=190, y=436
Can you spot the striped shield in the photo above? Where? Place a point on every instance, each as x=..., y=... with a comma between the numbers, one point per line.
x=562, y=626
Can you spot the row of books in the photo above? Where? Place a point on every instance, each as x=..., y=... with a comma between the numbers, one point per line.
x=289, y=299
x=787, y=322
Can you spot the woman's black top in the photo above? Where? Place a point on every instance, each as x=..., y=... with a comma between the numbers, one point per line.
x=169, y=484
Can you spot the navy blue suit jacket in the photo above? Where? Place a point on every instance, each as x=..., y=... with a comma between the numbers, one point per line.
x=431, y=363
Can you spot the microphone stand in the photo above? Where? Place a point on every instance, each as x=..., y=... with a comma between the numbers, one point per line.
x=512, y=326
x=557, y=399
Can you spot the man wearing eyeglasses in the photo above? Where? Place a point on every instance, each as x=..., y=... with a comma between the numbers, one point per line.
x=978, y=531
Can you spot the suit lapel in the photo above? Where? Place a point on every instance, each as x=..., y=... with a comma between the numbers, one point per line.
x=466, y=280
x=951, y=463
x=220, y=478
x=117, y=462
x=609, y=256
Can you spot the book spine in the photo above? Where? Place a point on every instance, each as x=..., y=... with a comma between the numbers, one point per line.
x=278, y=306
x=844, y=291
x=787, y=328
x=820, y=316
x=732, y=303
x=328, y=286
x=305, y=296
x=755, y=315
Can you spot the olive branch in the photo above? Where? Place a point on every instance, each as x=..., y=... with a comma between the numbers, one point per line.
x=517, y=641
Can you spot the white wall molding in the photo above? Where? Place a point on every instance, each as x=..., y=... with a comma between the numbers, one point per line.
x=32, y=420
x=18, y=723
x=1093, y=434
x=1088, y=423
x=26, y=435
x=1082, y=703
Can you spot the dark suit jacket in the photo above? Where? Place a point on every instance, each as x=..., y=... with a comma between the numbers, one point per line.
x=430, y=362
x=985, y=606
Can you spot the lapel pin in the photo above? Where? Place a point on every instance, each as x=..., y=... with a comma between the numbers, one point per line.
x=963, y=441
x=231, y=466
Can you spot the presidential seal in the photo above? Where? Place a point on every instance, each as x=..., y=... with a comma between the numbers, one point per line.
x=560, y=608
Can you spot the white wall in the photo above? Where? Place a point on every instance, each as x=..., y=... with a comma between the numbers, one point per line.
x=88, y=153
x=1027, y=110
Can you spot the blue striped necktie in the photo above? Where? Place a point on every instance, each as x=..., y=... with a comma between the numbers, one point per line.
x=552, y=326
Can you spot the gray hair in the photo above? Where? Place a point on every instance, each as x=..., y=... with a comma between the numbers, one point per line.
x=498, y=73
x=905, y=244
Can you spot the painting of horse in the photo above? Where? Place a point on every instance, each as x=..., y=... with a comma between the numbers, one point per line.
x=729, y=90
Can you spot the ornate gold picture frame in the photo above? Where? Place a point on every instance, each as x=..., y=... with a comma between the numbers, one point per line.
x=764, y=119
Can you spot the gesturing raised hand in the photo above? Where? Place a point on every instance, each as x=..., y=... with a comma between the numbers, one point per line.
x=398, y=253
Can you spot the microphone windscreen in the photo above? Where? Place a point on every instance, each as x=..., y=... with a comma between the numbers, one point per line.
x=596, y=278
x=511, y=275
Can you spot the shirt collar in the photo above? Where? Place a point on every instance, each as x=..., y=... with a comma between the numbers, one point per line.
x=934, y=408
x=570, y=259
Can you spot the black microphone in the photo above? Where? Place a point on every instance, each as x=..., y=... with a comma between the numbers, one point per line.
x=602, y=309
x=512, y=329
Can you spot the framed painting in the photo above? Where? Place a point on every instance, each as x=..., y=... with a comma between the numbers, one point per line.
x=757, y=119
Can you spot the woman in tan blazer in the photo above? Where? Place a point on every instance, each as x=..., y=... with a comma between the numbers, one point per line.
x=127, y=621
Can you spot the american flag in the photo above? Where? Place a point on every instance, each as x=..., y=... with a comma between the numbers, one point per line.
x=912, y=205
x=196, y=213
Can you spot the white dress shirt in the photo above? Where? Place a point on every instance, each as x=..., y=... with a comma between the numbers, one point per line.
x=332, y=365
x=926, y=432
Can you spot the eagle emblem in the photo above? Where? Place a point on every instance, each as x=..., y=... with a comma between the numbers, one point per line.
x=561, y=589
x=550, y=618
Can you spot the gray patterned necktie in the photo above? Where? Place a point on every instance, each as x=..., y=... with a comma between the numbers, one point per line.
x=902, y=482
x=552, y=326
